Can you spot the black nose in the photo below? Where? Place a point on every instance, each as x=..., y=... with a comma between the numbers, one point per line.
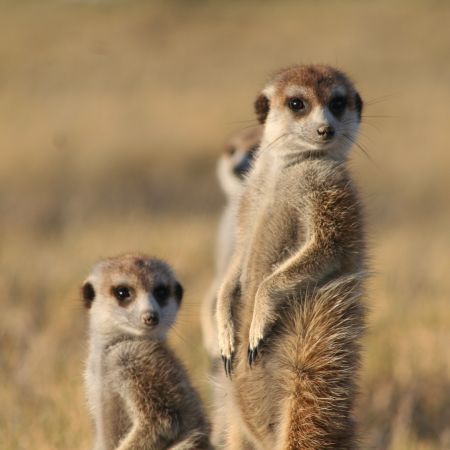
x=326, y=132
x=150, y=318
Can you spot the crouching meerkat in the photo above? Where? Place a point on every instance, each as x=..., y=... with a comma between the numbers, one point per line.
x=289, y=311
x=232, y=169
x=139, y=394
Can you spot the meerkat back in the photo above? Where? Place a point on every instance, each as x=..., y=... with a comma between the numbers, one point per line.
x=139, y=394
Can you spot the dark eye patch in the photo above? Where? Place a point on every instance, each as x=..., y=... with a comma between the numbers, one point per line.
x=337, y=105
x=161, y=293
x=122, y=293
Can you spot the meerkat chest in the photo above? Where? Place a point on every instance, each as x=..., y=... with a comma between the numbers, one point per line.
x=93, y=379
x=273, y=234
x=107, y=409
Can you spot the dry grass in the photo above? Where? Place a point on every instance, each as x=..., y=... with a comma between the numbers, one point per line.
x=112, y=115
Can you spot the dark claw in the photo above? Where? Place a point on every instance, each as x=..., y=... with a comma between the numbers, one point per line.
x=227, y=365
x=252, y=353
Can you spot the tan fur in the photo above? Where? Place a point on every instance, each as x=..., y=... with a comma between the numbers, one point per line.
x=300, y=231
x=139, y=393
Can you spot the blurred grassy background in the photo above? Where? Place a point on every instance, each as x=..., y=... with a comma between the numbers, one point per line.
x=112, y=115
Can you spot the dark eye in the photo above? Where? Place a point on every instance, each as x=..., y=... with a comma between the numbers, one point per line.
x=337, y=105
x=121, y=292
x=161, y=293
x=296, y=104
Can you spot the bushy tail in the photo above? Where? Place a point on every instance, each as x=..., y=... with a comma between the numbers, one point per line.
x=320, y=352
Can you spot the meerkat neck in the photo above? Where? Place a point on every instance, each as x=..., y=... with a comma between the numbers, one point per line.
x=106, y=342
x=99, y=340
x=103, y=337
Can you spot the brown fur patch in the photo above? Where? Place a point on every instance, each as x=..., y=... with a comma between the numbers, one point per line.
x=319, y=81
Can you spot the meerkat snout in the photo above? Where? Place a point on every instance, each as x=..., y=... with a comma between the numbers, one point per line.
x=326, y=132
x=150, y=318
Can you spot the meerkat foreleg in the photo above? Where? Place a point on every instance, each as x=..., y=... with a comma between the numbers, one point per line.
x=305, y=267
x=224, y=314
x=209, y=327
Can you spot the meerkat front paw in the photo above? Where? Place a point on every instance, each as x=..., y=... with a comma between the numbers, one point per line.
x=263, y=318
x=226, y=344
x=256, y=338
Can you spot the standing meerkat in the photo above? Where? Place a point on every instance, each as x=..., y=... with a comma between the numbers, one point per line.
x=289, y=312
x=232, y=169
x=139, y=394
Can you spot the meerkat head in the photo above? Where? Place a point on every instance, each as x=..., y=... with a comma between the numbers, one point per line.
x=132, y=294
x=236, y=160
x=310, y=108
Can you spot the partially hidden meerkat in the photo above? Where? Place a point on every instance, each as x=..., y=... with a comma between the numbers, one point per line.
x=232, y=170
x=289, y=311
x=139, y=393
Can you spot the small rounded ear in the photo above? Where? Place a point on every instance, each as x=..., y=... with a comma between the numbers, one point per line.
x=179, y=291
x=88, y=294
x=262, y=106
x=358, y=105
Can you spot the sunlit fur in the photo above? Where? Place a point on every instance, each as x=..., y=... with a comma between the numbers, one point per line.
x=300, y=228
x=138, y=392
